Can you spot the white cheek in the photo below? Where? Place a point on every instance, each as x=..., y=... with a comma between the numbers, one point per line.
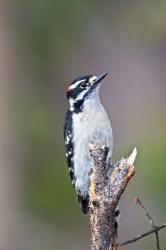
x=81, y=95
x=71, y=101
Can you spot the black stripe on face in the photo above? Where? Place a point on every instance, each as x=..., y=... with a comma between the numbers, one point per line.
x=75, y=87
x=78, y=106
x=80, y=89
x=73, y=93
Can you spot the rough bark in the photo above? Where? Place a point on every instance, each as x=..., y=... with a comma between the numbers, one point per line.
x=105, y=192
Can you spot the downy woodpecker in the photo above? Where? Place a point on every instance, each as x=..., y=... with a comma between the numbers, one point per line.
x=86, y=122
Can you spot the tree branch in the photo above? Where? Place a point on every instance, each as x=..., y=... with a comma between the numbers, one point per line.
x=141, y=236
x=155, y=229
x=149, y=217
x=104, y=193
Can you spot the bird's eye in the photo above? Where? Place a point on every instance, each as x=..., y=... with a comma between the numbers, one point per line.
x=83, y=85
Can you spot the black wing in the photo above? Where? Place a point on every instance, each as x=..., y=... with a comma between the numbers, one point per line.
x=68, y=139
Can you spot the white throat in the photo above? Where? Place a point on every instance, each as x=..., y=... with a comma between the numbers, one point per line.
x=93, y=99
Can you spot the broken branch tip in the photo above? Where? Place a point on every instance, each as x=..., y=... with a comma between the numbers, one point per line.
x=132, y=157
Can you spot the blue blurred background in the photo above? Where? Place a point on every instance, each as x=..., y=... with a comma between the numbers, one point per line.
x=43, y=46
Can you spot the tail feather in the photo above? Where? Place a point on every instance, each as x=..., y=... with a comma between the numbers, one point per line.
x=84, y=204
x=117, y=215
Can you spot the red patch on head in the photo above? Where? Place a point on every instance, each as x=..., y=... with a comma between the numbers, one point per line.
x=67, y=89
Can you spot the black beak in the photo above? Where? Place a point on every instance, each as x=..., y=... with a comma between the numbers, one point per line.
x=100, y=78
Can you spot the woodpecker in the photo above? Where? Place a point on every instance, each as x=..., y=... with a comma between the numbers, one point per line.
x=86, y=122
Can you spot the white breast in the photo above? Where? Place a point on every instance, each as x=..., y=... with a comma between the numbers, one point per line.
x=90, y=126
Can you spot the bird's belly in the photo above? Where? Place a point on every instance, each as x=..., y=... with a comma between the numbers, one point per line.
x=86, y=133
x=81, y=169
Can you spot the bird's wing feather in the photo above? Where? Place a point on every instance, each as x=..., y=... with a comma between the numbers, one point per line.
x=68, y=137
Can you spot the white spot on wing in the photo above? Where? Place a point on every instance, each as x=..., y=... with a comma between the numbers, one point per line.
x=67, y=139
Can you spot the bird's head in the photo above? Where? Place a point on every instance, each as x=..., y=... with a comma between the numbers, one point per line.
x=82, y=88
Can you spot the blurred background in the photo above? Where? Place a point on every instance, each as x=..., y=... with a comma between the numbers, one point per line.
x=44, y=45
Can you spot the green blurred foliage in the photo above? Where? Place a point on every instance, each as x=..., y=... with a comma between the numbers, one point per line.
x=48, y=29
